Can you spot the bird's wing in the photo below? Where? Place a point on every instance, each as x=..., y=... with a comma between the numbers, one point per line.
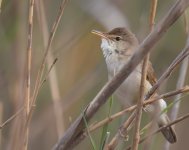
x=151, y=74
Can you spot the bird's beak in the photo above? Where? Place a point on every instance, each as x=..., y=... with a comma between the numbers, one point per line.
x=101, y=34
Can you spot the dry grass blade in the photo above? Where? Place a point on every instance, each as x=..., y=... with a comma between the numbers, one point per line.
x=186, y=21
x=168, y=72
x=136, y=137
x=95, y=126
x=163, y=127
x=153, y=14
x=28, y=73
x=1, y=118
x=169, y=94
x=124, y=128
x=42, y=67
x=51, y=37
x=0, y=5
x=182, y=76
x=53, y=81
x=168, y=125
x=99, y=124
x=76, y=129
x=11, y=118
x=180, y=82
x=153, y=9
x=48, y=72
x=118, y=136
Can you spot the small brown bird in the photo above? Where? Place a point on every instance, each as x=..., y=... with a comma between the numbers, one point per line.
x=118, y=46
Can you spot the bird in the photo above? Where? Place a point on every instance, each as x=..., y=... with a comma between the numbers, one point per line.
x=118, y=46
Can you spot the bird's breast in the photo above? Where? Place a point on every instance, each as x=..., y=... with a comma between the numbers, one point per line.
x=129, y=90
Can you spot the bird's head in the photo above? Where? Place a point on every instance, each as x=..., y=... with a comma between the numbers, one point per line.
x=118, y=41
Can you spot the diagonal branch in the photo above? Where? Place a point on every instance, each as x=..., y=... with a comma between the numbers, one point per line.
x=76, y=129
x=182, y=76
x=123, y=128
x=50, y=40
x=109, y=119
x=182, y=118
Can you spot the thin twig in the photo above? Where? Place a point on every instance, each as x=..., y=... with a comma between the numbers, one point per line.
x=122, y=133
x=166, y=95
x=48, y=72
x=69, y=140
x=42, y=67
x=186, y=21
x=136, y=137
x=180, y=82
x=109, y=119
x=168, y=125
x=124, y=128
x=53, y=81
x=163, y=127
x=51, y=37
x=119, y=134
x=1, y=118
x=28, y=72
x=181, y=79
x=0, y=5
x=153, y=9
x=168, y=72
x=11, y=118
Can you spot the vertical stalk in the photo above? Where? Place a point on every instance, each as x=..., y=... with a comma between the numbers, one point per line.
x=28, y=72
x=1, y=118
x=53, y=81
x=136, y=138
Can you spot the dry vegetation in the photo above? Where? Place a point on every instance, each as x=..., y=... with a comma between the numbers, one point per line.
x=51, y=70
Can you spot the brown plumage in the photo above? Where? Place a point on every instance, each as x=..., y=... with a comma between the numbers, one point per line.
x=151, y=74
x=169, y=132
x=118, y=45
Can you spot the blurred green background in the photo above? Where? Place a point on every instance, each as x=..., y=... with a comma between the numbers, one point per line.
x=80, y=70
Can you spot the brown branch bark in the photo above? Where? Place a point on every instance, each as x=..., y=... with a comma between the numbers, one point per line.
x=68, y=141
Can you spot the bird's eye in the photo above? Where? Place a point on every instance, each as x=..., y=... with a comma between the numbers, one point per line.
x=118, y=38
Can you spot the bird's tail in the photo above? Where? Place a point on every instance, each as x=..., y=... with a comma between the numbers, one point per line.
x=168, y=132
x=162, y=120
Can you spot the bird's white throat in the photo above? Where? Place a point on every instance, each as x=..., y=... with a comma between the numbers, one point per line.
x=108, y=47
x=113, y=62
